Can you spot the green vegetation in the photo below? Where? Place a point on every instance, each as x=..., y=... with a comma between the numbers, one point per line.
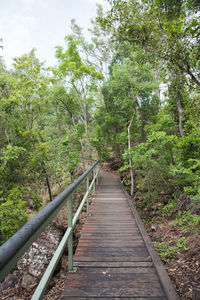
x=166, y=250
x=186, y=219
x=12, y=213
x=131, y=93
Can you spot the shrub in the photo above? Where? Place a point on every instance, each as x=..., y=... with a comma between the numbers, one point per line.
x=12, y=214
x=169, y=208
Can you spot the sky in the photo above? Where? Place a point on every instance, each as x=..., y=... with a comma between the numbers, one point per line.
x=41, y=24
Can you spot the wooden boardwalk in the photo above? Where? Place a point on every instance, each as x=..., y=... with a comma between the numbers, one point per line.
x=115, y=258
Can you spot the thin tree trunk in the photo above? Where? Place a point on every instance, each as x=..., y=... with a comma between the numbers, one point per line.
x=81, y=142
x=82, y=154
x=86, y=131
x=47, y=182
x=180, y=113
x=71, y=177
x=157, y=73
x=130, y=160
x=83, y=107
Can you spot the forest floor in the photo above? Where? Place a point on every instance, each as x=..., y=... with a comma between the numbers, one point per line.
x=182, y=262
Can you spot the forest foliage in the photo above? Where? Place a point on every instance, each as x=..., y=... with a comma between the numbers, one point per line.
x=131, y=93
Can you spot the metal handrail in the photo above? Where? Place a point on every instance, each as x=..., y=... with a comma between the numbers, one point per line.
x=12, y=250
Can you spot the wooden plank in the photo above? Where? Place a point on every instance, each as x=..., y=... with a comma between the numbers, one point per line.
x=109, y=197
x=108, y=230
x=111, y=258
x=116, y=273
x=109, y=234
x=125, y=228
x=125, y=225
x=129, y=264
x=108, y=220
x=98, y=239
x=144, y=281
x=110, y=237
x=113, y=251
x=109, y=244
x=136, y=251
x=105, y=227
x=114, y=292
x=111, y=298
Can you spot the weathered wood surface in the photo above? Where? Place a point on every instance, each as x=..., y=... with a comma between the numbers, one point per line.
x=114, y=257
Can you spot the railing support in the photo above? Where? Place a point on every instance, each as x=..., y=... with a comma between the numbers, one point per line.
x=15, y=247
x=70, y=239
x=87, y=201
x=94, y=181
x=98, y=174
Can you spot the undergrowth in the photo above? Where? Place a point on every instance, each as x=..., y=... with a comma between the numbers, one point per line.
x=167, y=251
x=186, y=219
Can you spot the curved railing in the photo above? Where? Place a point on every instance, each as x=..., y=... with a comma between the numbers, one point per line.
x=12, y=250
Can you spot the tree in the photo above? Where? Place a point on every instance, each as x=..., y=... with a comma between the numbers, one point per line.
x=128, y=95
x=166, y=29
x=100, y=50
x=23, y=158
x=81, y=81
x=152, y=160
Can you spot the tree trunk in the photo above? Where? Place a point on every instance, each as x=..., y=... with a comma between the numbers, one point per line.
x=130, y=160
x=86, y=131
x=71, y=177
x=157, y=73
x=180, y=113
x=82, y=155
x=47, y=182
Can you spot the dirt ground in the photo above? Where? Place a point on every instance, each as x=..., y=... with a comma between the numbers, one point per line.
x=184, y=268
x=184, y=265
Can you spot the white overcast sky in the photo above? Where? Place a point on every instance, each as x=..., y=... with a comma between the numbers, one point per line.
x=41, y=24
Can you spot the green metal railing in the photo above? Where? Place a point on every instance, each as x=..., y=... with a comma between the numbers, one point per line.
x=16, y=246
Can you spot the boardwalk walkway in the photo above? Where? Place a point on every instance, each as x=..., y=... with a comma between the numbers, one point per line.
x=114, y=257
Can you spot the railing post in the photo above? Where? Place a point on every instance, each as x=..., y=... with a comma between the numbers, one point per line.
x=70, y=239
x=94, y=181
x=87, y=203
x=98, y=174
